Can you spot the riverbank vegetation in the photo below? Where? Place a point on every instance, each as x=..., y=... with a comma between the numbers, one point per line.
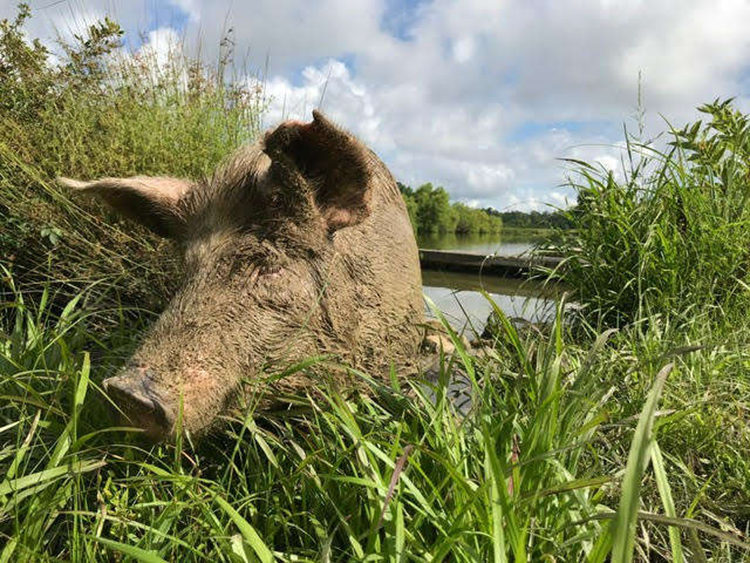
x=659, y=256
x=100, y=112
x=617, y=432
x=671, y=237
x=431, y=212
x=533, y=220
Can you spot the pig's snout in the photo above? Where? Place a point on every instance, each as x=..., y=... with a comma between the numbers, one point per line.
x=141, y=404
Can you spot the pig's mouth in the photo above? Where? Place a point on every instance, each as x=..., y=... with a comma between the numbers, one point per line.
x=141, y=405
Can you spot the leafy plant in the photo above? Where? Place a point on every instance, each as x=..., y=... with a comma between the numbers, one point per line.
x=670, y=238
x=101, y=111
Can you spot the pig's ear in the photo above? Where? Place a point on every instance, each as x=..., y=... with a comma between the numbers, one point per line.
x=328, y=162
x=152, y=201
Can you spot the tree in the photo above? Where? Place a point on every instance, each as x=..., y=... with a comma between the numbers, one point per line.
x=430, y=211
x=411, y=203
x=433, y=210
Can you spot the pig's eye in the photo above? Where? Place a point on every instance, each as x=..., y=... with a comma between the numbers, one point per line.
x=271, y=272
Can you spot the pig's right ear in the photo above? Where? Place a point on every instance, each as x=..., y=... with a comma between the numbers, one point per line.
x=152, y=201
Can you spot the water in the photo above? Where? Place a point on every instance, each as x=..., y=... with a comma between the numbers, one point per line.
x=478, y=244
x=457, y=295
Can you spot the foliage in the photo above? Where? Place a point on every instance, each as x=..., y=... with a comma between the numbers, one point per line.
x=23, y=76
x=557, y=219
x=431, y=212
x=673, y=236
x=529, y=472
x=100, y=111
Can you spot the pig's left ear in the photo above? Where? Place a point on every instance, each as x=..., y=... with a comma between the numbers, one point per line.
x=325, y=162
x=152, y=201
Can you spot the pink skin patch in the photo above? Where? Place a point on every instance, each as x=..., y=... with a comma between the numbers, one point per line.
x=201, y=391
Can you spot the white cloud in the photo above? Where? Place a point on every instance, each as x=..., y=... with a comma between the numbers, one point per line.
x=463, y=49
x=487, y=178
x=482, y=97
x=162, y=45
x=608, y=162
x=332, y=89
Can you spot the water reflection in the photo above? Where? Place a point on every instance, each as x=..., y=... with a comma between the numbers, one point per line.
x=457, y=296
x=502, y=245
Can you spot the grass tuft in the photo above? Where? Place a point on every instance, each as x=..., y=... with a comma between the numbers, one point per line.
x=547, y=460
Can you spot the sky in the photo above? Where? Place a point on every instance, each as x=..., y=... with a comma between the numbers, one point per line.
x=481, y=97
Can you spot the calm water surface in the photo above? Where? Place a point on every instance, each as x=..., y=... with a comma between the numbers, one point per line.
x=457, y=294
x=478, y=244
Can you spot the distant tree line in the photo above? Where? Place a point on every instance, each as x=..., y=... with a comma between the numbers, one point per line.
x=533, y=219
x=431, y=211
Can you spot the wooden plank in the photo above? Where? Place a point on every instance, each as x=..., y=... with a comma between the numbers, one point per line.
x=514, y=266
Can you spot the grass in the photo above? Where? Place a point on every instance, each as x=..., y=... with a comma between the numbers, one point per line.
x=672, y=234
x=551, y=461
x=104, y=112
x=619, y=434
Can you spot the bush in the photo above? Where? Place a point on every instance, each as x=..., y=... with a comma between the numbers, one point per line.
x=673, y=236
x=431, y=212
x=101, y=111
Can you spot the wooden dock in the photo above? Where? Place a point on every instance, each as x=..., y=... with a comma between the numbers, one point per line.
x=507, y=266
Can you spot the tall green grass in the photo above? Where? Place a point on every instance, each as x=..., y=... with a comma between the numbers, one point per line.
x=538, y=467
x=663, y=253
x=580, y=445
x=527, y=474
x=673, y=235
x=102, y=111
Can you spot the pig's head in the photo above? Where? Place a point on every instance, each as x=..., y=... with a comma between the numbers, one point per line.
x=257, y=244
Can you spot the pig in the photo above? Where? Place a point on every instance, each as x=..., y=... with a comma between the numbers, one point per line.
x=298, y=246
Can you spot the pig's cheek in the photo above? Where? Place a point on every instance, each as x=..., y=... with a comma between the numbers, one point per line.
x=203, y=395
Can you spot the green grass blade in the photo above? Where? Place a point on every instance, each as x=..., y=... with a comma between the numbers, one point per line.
x=665, y=492
x=640, y=448
x=131, y=551
x=20, y=483
x=21, y=452
x=496, y=510
x=248, y=532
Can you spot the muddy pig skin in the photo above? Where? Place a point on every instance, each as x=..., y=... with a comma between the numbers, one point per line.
x=297, y=246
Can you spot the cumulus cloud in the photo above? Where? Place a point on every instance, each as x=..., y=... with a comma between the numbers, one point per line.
x=331, y=88
x=161, y=46
x=482, y=97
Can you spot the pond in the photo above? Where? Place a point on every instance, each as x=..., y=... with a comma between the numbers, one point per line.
x=458, y=295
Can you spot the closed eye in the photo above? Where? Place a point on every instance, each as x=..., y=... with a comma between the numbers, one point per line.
x=271, y=272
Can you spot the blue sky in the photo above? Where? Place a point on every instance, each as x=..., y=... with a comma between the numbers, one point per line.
x=480, y=97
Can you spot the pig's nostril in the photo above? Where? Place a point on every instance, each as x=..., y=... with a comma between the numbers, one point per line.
x=123, y=392
x=140, y=404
